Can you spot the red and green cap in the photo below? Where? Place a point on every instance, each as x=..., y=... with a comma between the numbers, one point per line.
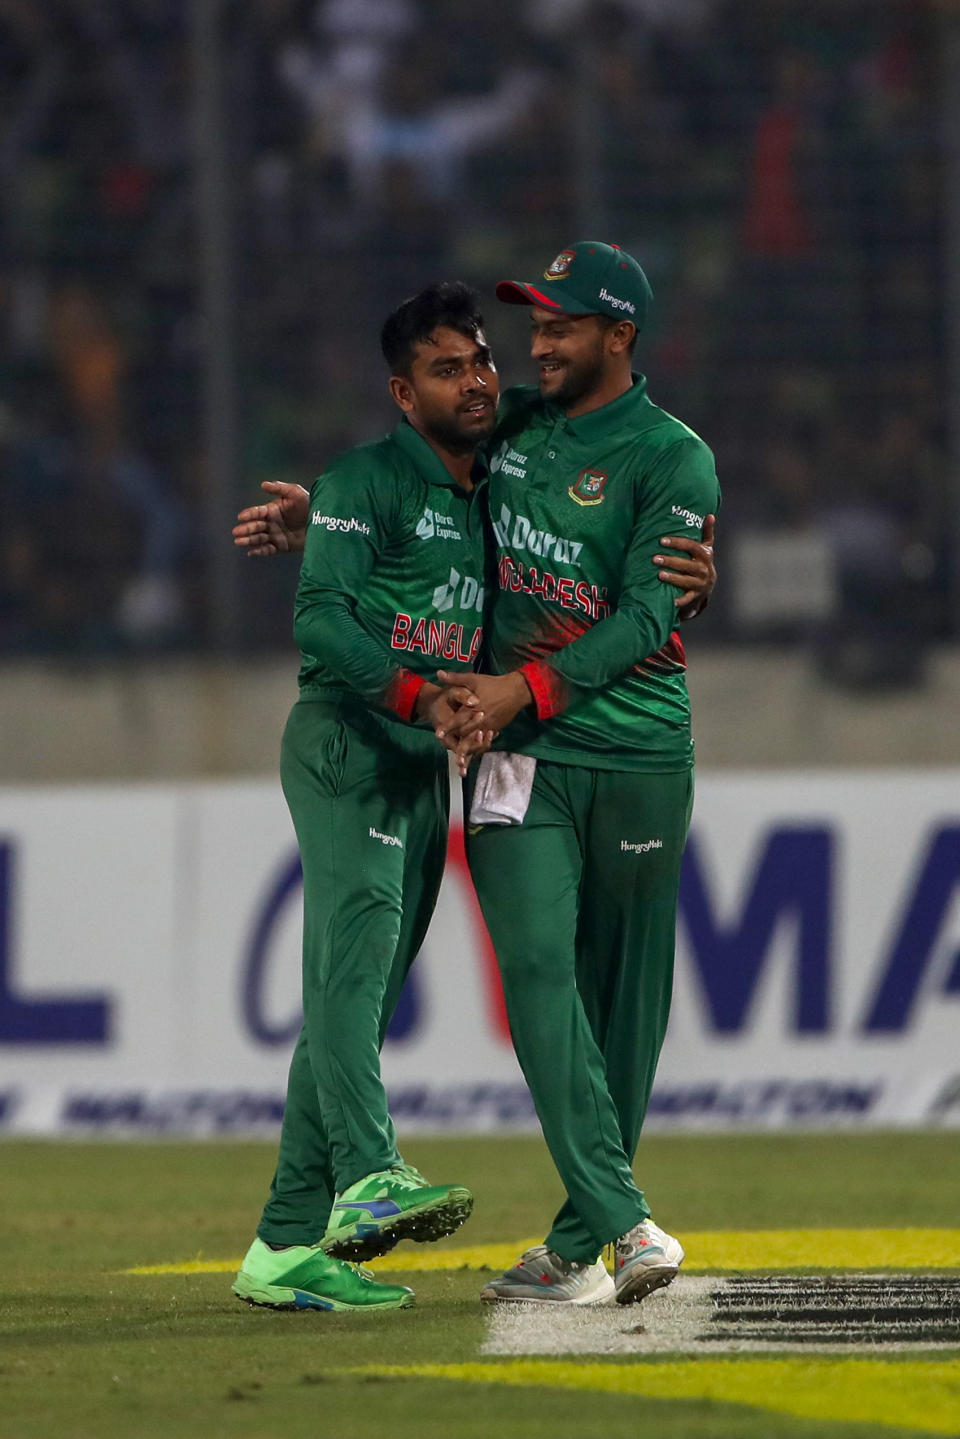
x=588, y=278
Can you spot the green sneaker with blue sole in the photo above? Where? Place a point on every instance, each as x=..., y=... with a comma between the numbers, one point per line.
x=302, y=1276
x=376, y=1212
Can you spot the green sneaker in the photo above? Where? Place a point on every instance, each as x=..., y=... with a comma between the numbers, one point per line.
x=303, y=1277
x=371, y=1216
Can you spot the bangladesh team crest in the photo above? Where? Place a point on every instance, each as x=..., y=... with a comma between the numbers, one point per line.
x=559, y=268
x=589, y=487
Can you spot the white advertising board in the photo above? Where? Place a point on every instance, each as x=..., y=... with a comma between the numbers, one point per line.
x=149, y=964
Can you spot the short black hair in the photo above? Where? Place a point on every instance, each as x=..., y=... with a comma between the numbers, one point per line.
x=450, y=303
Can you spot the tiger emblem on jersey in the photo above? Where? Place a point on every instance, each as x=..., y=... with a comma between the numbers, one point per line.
x=589, y=487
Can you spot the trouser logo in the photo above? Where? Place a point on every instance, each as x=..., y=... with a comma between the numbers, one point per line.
x=386, y=838
x=643, y=847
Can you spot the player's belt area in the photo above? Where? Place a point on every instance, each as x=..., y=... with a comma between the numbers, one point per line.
x=850, y=1309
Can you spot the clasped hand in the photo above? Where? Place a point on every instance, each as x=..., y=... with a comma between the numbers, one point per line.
x=469, y=710
x=439, y=706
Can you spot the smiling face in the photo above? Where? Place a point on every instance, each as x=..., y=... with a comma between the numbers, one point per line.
x=570, y=353
x=451, y=391
x=582, y=360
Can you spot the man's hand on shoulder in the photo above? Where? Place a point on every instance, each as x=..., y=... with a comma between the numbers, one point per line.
x=276, y=528
x=693, y=572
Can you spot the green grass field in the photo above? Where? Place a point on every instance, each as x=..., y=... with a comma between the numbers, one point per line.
x=87, y=1349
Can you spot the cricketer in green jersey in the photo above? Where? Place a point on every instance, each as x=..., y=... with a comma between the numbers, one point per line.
x=580, y=895
x=279, y=526
x=391, y=588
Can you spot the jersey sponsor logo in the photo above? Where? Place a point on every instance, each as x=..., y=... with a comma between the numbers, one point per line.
x=335, y=525
x=433, y=525
x=693, y=521
x=516, y=532
x=559, y=267
x=616, y=302
x=570, y=594
x=589, y=487
x=509, y=461
x=643, y=846
x=393, y=839
x=470, y=596
x=443, y=639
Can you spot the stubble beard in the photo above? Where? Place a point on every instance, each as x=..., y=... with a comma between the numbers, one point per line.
x=579, y=381
x=457, y=440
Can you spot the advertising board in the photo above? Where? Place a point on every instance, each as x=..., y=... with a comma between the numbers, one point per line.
x=149, y=964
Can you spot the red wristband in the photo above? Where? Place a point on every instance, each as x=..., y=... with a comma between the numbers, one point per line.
x=549, y=689
x=401, y=693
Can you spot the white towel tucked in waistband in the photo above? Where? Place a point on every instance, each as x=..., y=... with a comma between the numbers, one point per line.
x=502, y=792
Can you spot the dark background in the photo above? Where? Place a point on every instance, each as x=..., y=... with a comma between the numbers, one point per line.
x=208, y=208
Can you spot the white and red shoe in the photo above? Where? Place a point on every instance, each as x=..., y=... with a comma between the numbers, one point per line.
x=541, y=1277
x=645, y=1259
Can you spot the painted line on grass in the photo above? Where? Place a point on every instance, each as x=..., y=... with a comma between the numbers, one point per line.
x=907, y=1394
x=714, y=1251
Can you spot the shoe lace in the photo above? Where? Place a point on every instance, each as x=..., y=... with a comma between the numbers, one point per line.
x=632, y=1237
x=406, y=1174
x=553, y=1259
x=571, y=1268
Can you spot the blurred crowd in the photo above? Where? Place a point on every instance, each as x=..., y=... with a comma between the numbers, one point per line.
x=775, y=164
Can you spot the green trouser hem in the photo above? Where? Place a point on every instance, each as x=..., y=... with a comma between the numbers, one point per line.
x=369, y=802
x=580, y=901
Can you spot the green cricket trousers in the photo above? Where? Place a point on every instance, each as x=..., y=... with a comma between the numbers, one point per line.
x=369, y=799
x=580, y=901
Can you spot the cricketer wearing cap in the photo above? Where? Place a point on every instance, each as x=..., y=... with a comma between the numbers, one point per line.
x=587, y=476
x=566, y=560
x=391, y=588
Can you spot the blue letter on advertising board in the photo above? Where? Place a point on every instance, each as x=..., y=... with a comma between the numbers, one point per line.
x=286, y=887
x=39, y=1021
x=792, y=880
x=915, y=945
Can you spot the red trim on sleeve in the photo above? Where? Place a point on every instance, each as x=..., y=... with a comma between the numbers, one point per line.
x=674, y=650
x=548, y=688
x=401, y=693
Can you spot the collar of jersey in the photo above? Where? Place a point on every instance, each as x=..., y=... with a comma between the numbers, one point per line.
x=429, y=463
x=631, y=410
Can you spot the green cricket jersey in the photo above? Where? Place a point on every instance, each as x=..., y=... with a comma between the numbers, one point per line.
x=391, y=587
x=579, y=507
